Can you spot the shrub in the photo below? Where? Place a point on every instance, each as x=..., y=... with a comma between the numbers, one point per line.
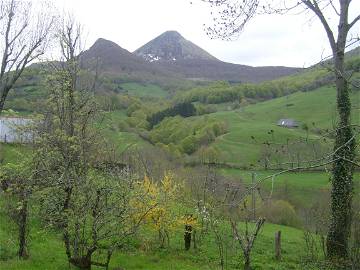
x=281, y=212
x=189, y=144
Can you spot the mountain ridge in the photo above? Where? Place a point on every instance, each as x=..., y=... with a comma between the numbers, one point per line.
x=172, y=46
x=171, y=55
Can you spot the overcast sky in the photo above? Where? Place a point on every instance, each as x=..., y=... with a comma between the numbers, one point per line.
x=292, y=40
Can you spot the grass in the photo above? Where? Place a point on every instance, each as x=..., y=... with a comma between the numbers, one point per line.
x=109, y=126
x=250, y=126
x=144, y=90
x=12, y=152
x=237, y=146
x=301, y=188
x=47, y=251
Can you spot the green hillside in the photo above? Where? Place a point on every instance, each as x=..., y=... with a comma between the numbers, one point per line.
x=145, y=90
x=250, y=126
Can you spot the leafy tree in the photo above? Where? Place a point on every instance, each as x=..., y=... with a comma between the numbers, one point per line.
x=189, y=144
x=90, y=206
x=164, y=196
x=187, y=134
x=18, y=182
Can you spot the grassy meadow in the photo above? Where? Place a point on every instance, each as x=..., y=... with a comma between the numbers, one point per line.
x=47, y=251
x=249, y=126
x=144, y=90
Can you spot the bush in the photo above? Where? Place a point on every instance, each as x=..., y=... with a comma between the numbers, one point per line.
x=281, y=212
x=188, y=135
x=189, y=144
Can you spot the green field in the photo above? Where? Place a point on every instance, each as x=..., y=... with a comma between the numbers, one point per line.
x=249, y=127
x=109, y=126
x=12, y=152
x=144, y=90
x=301, y=188
x=316, y=109
x=47, y=252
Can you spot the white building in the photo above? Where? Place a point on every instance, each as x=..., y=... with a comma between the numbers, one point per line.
x=12, y=130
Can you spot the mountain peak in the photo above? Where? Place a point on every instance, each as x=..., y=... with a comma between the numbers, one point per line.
x=172, y=46
x=172, y=32
x=104, y=43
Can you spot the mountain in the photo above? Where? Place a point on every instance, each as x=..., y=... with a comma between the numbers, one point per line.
x=178, y=55
x=171, y=46
x=116, y=60
x=171, y=57
x=218, y=70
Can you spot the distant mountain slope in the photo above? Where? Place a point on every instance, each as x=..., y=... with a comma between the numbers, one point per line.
x=171, y=46
x=116, y=60
x=176, y=54
x=171, y=57
x=218, y=70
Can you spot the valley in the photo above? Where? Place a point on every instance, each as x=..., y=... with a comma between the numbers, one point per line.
x=168, y=158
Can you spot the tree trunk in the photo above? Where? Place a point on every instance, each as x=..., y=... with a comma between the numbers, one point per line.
x=194, y=239
x=4, y=92
x=187, y=236
x=2, y=104
x=23, y=216
x=65, y=223
x=83, y=263
x=342, y=178
x=161, y=239
x=247, y=262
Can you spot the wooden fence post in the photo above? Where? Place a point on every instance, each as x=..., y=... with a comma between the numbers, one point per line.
x=253, y=198
x=278, y=245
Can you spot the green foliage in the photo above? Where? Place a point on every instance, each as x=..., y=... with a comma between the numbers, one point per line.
x=182, y=109
x=280, y=212
x=249, y=127
x=138, y=257
x=221, y=92
x=202, y=109
x=188, y=134
x=189, y=144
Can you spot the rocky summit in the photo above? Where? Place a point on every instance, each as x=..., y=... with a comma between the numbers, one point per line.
x=171, y=46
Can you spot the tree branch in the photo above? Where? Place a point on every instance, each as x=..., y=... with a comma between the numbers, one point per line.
x=316, y=9
x=354, y=22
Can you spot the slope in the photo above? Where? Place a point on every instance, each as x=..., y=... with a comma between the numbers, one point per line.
x=171, y=46
x=173, y=52
x=254, y=125
x=116, y=60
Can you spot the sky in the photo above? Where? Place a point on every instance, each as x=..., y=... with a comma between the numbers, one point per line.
x=269, y=40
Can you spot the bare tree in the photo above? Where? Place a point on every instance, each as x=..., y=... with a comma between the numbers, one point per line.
x=25, y=32
x=231, y=16
x=247, y=239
